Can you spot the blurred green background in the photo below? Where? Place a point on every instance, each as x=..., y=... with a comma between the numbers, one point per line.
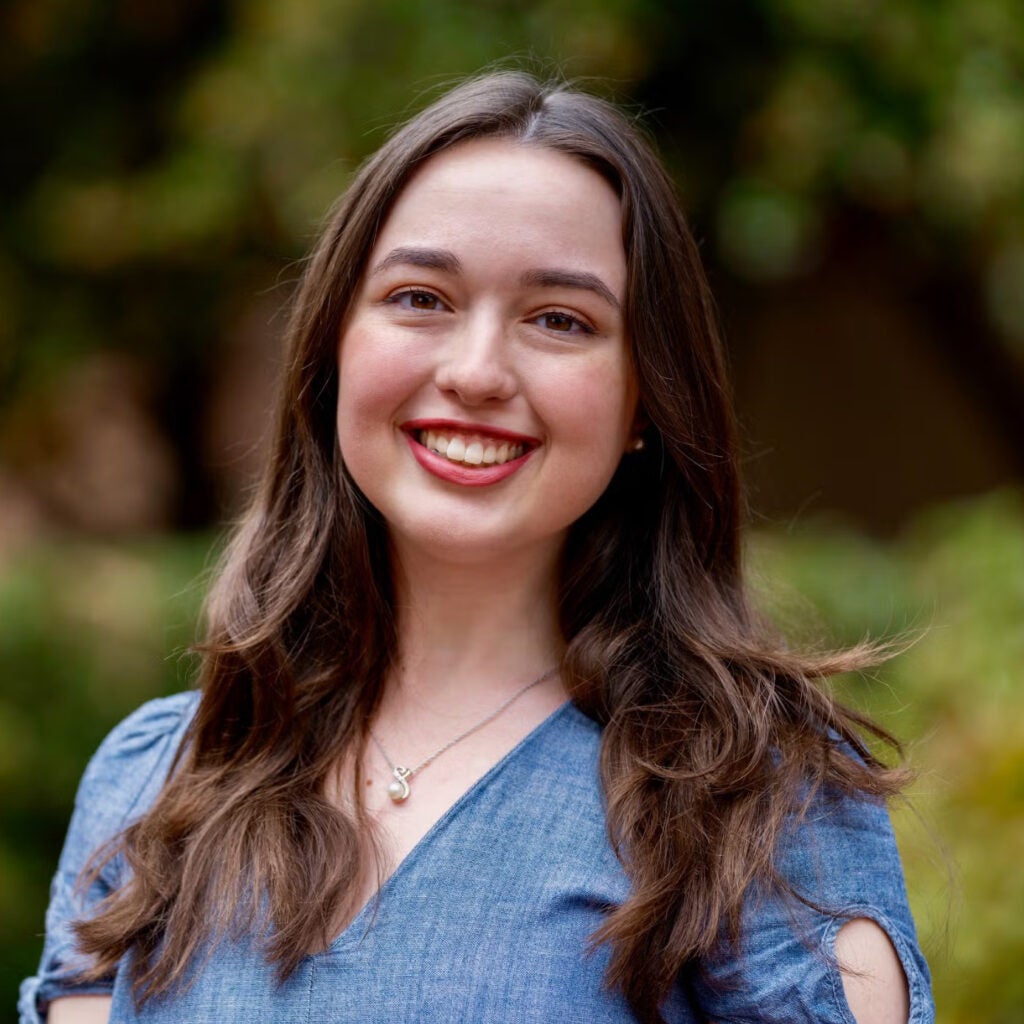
x=855, y=173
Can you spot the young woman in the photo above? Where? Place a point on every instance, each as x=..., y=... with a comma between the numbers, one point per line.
x=487, y=730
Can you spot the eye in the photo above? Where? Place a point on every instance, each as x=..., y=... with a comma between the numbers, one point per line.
x=563, y=323
x=416, y=298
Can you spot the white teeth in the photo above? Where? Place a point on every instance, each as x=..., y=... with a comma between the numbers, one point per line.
x=475, y=453
x=437, y=443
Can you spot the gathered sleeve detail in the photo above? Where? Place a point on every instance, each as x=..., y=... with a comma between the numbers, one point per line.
x=841, y=858
x=121, y=781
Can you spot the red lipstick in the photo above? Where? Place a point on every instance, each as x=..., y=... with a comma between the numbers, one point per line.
x=463, y=474
x=460, y=427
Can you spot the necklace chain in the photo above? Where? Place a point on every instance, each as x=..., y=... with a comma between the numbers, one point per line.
x=398, y=790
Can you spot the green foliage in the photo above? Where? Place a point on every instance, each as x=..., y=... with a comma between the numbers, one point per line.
x=214, y=137
x=89, y=631
x=953, y=583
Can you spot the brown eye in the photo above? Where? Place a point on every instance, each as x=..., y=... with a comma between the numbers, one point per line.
x=558, y=322
x=563, y=323
x=416, y=298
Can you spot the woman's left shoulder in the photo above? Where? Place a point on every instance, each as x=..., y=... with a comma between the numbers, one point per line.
x=841, y=859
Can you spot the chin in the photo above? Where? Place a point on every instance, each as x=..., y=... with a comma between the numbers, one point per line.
x=448, y=544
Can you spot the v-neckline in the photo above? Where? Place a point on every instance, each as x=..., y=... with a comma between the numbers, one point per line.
x=359, y=926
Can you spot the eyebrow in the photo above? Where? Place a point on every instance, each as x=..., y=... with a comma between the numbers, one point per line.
x=582, y=279
x=431, y=259
x=547, y=277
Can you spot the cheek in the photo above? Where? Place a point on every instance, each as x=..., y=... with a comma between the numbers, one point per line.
x=599, y=405
x=373, y=379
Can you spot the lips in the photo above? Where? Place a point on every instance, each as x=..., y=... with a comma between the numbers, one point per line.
x=467, y=453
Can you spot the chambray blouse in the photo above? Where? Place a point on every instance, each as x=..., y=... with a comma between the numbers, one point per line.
x=487, y=920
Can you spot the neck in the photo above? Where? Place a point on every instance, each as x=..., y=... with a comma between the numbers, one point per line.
x=474, y=631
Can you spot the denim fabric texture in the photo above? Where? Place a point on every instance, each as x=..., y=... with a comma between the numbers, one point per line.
x=487, y=920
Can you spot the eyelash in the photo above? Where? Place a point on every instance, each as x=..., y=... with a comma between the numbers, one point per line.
x=575, y=321
x=408, y=293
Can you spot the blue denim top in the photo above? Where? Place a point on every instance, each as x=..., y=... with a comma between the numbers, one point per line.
x=487, y=919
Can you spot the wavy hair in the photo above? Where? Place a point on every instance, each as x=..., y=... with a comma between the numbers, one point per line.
x=715, y=734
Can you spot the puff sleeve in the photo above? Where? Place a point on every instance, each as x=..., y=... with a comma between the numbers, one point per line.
x=843, y=857
x=120, y=782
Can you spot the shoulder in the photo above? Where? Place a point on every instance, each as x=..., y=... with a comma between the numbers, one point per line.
x=131, y=764
x=149, y=723
x=571, y=725
x=842, y=862
x=139, y=745
x=119, y=784
x=140, y=735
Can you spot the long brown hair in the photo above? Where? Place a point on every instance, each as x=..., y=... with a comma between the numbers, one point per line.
x=714, y=733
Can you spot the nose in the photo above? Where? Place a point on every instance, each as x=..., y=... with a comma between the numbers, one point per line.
x=475, y=362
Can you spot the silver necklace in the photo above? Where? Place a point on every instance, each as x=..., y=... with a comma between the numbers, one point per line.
x=398, y=788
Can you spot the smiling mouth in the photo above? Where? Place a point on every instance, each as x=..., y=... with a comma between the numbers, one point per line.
x=470, y=449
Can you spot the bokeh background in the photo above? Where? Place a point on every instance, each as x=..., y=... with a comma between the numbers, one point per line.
x=855, y=172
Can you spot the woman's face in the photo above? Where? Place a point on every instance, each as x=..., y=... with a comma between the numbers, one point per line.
x=486, y=393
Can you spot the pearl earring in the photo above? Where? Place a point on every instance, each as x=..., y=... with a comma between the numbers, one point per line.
x=637, y=445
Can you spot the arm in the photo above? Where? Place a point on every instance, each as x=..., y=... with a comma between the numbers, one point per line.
x=79, y=1010
x=873, y=980
x=856, y=959
x=121, y=781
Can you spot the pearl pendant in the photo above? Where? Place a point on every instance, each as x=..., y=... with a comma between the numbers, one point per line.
x=398, y=789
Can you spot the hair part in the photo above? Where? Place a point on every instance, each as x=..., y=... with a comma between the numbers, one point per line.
x=707, y=717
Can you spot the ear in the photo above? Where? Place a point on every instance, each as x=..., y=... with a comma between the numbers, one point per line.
x=635, y=440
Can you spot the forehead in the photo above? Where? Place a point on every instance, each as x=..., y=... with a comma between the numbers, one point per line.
x=511, y=199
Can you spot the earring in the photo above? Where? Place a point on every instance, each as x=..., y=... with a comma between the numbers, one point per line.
x=637, y=445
